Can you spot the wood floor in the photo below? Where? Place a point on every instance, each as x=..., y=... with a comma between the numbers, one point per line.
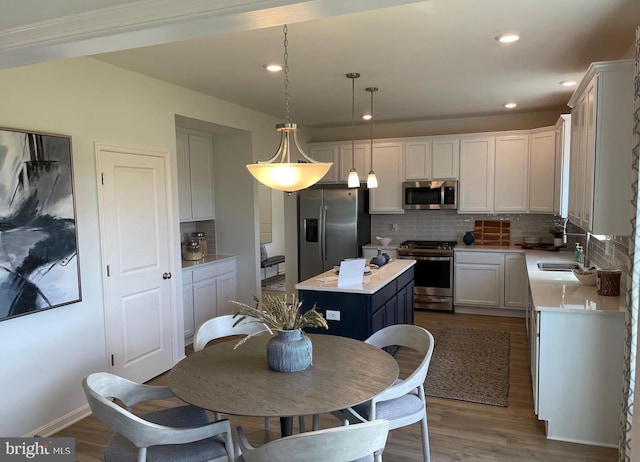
x=458, y=431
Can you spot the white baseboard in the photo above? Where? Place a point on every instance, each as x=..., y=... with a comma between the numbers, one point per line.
x=62, y=422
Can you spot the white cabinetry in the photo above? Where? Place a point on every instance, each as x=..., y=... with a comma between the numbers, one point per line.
x=431, y=158
x=206, y=292
x=601, y=143
x=542, y=167
x=361, y=160
x=387, y=165
x=562, y=150
x=326, y=153
x=195, y=177
x=475, y=190
x=576, y=361
x=492, y=283
x=510, y=192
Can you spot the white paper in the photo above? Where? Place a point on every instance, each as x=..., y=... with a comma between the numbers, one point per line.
x=351, y=272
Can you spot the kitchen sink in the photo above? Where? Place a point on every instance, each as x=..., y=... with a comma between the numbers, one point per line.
x=558, y=265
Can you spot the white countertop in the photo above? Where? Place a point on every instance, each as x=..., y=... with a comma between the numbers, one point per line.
x=560, y=290
x=371, y=283
x=188, y=264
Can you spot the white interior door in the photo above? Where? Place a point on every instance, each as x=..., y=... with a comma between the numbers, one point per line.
x=134, y=216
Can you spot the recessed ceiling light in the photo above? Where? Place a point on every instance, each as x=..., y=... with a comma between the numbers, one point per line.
x=510, y=105
x=508, y=38
x=273, y=67
x=568, y=83
x=366, y=116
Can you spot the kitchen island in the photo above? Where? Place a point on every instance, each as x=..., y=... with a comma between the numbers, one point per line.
x=577, y=350
x=384, y=298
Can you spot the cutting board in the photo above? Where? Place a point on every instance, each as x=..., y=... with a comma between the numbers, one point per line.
x=492, y=232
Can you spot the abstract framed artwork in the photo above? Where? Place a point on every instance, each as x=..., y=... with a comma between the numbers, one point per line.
x=39, y=266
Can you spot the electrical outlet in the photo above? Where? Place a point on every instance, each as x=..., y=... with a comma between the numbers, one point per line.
x=394, y=227
x=332, y=315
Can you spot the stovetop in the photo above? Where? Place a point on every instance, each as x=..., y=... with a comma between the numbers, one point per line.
x=427, y=245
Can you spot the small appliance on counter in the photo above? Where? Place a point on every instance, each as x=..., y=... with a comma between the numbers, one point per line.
x=202, y=239
x=191, y=250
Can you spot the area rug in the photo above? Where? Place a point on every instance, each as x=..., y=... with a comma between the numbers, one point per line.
x=470, y=365
x=275, y=284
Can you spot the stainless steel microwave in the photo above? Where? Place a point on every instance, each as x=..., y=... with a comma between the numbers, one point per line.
x=430, y=195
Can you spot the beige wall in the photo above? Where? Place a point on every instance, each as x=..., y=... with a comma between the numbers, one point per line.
x=45, y=355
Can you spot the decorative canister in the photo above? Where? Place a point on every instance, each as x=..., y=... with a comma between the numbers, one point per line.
x=202, y=239
x=608, y=282
x=191, y=250
x=468, y=238
x=289, y=351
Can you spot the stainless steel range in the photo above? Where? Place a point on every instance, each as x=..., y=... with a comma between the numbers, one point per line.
x=433, y=280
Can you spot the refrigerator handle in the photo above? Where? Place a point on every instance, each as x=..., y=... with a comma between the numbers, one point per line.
x=322, y=235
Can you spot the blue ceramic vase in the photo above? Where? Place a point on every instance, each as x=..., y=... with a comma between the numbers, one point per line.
x=289, y=351
x=468, y=238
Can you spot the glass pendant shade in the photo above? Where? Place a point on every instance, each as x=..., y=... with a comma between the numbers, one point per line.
x=282, y=174
x=353, y=181
x=372, y=181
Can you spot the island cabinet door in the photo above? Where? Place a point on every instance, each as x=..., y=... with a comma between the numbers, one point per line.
x=348, y=315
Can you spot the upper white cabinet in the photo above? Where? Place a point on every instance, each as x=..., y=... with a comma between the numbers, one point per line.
x=542, y=167
x=195, y=176
x=361, y=160
x=601, y=143
x=562, y=149
x=387, y=165
x=431, y=158
x=475, y=190
x=326, y=152
x=510, y=192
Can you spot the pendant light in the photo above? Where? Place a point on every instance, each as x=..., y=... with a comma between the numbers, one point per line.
x=353, y=181
x=372, y=181
x=279, y=172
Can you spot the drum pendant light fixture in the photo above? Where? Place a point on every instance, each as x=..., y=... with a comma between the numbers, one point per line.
x=280, y=172
x=372, y=181
x=353, y=181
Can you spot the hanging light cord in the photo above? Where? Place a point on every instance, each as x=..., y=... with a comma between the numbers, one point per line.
x=372, y=90
x=353, y=122
x=287, y=118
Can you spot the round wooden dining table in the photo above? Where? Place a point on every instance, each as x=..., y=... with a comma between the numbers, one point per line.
x=345, y=372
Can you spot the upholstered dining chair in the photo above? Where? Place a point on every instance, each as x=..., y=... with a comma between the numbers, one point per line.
x=182, y=433
x=223, y=326
x=403, y=403
x=358, y=442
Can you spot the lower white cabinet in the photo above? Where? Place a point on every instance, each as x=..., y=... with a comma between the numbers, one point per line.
x=206, y=292
x=490, y=282
x=576, y=369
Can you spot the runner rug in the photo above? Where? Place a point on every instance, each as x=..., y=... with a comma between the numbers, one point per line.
x=470, y=365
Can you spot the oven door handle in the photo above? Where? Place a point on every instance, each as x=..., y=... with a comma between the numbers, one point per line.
x=422, y=258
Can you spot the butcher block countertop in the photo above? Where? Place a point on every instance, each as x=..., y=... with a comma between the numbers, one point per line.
x=371, y=283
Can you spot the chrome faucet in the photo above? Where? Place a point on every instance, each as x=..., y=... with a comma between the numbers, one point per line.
x=586, y=236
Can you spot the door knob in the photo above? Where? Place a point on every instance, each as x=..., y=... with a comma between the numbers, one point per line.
x=166, y=275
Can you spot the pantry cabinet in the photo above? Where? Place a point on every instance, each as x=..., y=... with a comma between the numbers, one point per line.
x=206, y=292
x=601, y=148
x=195, y=177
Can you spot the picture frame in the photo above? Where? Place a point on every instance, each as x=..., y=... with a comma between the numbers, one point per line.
x=39, y=264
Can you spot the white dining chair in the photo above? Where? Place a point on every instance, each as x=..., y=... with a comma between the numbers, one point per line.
x=182, y=433
x=358, y=442
x=403, y=403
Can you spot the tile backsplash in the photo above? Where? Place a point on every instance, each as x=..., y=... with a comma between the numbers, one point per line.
x=449, y=225
x=208, y=227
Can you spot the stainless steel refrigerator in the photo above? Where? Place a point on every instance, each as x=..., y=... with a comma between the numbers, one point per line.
x=333, y=224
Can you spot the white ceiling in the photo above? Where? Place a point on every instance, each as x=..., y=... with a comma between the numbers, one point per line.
x=431, y=60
